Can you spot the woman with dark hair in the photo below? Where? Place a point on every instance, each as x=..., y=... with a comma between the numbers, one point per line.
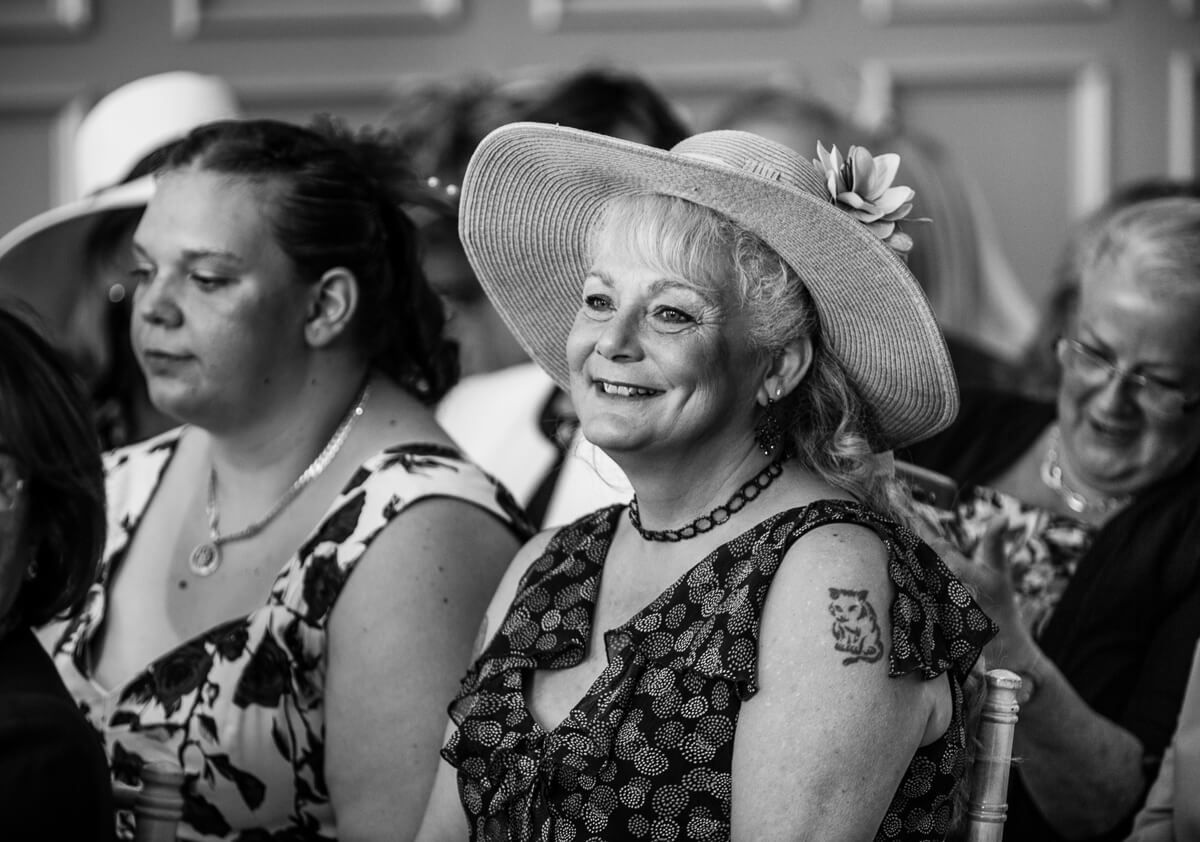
x=51, y=537
x=293, y=576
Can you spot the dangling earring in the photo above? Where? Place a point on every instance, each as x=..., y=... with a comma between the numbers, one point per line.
x=31, y=571
x=769, y=432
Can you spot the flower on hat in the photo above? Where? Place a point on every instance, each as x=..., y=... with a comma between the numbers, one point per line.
x=861, y=184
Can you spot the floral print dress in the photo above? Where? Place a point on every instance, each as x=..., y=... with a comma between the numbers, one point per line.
x=647, y=752
x=240, y=706
x=1043, y=547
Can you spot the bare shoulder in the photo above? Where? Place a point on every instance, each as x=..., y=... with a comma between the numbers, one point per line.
x=446, y=532
x=832, y=592
x=845, y=551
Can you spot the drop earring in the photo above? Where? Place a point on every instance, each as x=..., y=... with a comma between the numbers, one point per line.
x=769, y=432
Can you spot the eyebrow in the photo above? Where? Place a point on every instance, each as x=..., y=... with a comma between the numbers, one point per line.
x=189, y=255
x=1171, y=370
x=656, y=286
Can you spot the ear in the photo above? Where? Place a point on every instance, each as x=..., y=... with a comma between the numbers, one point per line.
x=333, y=301
x=787, y=369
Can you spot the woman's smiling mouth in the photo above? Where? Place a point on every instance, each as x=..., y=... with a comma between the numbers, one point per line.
x=625, y=390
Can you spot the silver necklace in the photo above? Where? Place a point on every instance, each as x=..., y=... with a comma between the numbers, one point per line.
x=1076, y=501
x=206, y=557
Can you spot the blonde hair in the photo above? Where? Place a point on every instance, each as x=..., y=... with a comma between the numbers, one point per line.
x=826, y=419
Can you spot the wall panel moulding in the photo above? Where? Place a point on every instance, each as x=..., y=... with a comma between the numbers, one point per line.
x=980, y=11
x=198, y=18
x=51, y=19
x=60, y=109
x=553, y=15
x=1183, y=108
x=1087, y=87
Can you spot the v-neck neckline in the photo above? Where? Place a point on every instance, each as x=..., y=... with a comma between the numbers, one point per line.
x=584, y=634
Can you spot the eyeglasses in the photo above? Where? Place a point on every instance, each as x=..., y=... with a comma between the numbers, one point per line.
x=1092, y=368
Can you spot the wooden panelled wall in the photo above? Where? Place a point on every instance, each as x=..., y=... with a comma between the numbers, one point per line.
x=1048, y=103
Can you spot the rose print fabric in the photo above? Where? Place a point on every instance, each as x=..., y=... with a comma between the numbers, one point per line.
x=240, y=707
x=646, y=754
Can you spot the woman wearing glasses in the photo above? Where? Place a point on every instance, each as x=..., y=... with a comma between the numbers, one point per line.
x=1079, y=523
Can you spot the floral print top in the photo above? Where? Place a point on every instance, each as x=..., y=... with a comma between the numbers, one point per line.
x=1043, y=547
x=240, y=706
x=647, y=752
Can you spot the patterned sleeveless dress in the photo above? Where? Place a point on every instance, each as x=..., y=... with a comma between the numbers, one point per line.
x=647, y=753
x=240, y=706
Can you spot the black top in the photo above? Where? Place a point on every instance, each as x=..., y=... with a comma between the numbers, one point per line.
x=1125, y=629
x=54, y=782
x=647, y=752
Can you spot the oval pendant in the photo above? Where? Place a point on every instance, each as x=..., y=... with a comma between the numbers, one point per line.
x=205, y=559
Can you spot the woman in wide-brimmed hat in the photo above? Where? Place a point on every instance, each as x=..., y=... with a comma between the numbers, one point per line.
x=753, y=648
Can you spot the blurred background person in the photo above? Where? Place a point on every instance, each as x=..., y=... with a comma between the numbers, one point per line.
x=506, y=413
x=71, y=263
x=54, y=780
x=1083, y=519
x=1040, y=369
x=1172, y=811
x=972, y=290
x=293, y=577
x=437, y=124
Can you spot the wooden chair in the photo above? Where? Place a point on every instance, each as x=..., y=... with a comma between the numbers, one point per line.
x=158, y=805
x=989, y=783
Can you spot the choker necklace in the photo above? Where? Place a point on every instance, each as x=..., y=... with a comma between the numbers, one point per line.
x=206, y=558
x=1055, y=480
x=716, y=517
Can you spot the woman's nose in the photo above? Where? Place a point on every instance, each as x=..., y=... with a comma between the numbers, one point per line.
x=154, y=299
x=1118, y=394
x=619, y=337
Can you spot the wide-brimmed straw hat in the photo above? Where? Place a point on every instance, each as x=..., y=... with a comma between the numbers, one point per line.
x=533, y=194
x=42, y=260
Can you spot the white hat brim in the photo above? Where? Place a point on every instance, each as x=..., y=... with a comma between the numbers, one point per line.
x=43, y=260
x=533, y=193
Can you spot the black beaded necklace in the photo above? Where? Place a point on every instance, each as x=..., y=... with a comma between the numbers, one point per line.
x=717, y=516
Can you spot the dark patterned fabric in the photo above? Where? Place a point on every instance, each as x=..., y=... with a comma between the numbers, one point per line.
x=241, y=706
x=647, y=752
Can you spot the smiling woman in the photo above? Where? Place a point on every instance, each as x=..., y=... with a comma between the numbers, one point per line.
x=745, y=349
x=293, y=576
x=1094, y=570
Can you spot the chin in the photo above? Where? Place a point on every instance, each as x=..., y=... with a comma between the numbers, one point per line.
x=613, y=438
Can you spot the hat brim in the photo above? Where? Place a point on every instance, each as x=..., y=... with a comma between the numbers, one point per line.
x=534, y=192
x=43, y=260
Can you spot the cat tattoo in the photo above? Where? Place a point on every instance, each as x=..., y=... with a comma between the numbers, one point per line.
x=855, y=628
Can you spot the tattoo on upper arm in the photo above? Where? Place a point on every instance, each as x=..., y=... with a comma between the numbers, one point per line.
x=855, y=626
x=480, y=639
